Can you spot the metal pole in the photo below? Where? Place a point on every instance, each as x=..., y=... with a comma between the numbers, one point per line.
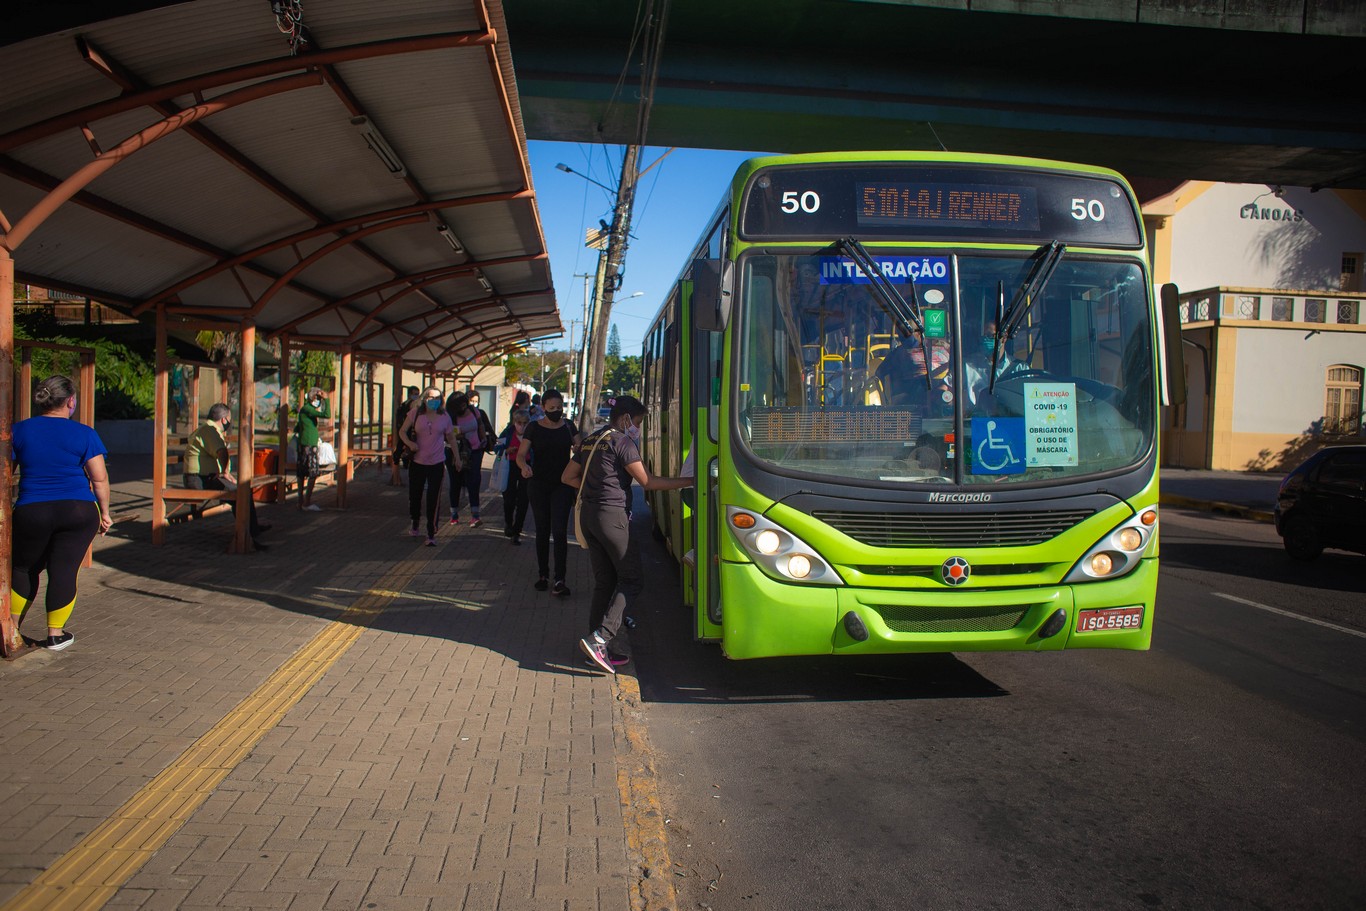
x=286, y=402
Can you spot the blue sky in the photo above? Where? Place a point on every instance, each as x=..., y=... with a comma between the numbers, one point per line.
x=673, y=202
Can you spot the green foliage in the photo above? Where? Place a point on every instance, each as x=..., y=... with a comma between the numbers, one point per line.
x=622, y=374
x=529, y=368
x=124, y=378
x=614, y=342
x=307, y=368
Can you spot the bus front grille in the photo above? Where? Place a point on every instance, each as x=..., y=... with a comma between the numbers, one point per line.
x=903, y=619
x=1011, y=529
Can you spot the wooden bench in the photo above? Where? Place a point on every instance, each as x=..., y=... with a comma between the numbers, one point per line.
x=205, y=502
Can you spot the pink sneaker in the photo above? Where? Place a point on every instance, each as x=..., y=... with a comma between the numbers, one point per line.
x=414, y=533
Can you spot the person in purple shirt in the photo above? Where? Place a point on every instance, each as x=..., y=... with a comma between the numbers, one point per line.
x=63, y=501
x=427, y=431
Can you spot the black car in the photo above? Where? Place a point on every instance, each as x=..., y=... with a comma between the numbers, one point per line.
x=1323, y=503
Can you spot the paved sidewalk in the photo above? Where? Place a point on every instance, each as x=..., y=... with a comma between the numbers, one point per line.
x=348, y=721
x=1249, y=494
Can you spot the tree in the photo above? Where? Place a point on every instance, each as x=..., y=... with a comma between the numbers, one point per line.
x=622, y=375
x=614, y=343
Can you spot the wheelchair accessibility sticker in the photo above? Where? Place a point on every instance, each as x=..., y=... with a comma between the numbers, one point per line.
x=998, y=445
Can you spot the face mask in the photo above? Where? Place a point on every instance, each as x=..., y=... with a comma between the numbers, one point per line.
x=633, y=432
x=555, y=415
x=433, y=404
x=989, y=344
x=315, y=401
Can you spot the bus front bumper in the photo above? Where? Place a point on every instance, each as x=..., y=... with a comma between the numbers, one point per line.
x=762, y=617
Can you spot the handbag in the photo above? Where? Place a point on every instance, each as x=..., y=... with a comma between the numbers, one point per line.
x=578, y=500
x=498, y=475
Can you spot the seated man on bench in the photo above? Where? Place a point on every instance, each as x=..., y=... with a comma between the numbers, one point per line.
x=206, y=463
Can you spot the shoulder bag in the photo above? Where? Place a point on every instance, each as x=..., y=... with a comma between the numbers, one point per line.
x=578, y=500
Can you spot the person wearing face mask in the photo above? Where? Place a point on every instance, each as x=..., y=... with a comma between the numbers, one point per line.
x=515, y=493
x=476, y=438
x=63, y=501
x=550, y=441
x=306, y=433
x=207, y=462
x=977, y=368
x=603, y=469
x=428, y=432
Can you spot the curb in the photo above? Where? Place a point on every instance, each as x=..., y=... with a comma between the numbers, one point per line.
x=1233, y=509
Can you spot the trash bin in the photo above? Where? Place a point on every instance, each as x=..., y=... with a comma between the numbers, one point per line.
x=266, y=461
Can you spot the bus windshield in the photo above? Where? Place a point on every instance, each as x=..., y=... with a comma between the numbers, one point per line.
x=832, y=382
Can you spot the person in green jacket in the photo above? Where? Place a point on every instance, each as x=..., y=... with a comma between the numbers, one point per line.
x=314, y=406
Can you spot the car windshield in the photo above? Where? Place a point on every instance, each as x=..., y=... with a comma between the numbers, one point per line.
x=833, y=383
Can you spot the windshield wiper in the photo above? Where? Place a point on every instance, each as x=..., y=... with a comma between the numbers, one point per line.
x=1029, y=291
x=905, y=313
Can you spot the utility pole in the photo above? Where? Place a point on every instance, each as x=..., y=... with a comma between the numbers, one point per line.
x=609, y=267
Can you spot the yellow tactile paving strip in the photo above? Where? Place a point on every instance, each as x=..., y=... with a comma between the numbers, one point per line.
x=647, y=842
x=90, y=873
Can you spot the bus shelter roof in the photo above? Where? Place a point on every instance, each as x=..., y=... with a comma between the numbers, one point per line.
x=367, y=187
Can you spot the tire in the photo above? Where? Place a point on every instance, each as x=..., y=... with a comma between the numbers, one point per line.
x=1301, y=539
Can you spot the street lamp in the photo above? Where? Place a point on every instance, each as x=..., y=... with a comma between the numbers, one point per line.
x=568, y=170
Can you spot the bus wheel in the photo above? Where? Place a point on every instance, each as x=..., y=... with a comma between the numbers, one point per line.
x=1301, y=539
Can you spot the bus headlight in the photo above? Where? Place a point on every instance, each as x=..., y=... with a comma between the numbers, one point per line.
x=1118, y=552
x=778, y=552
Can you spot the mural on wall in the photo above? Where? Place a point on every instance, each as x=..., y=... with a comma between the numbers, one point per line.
x=268, y=402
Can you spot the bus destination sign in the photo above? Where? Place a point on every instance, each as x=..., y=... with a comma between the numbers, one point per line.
x=919, y=201
x=930, y=204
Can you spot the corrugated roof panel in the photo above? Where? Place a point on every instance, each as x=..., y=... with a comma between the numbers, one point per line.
x=442, y=111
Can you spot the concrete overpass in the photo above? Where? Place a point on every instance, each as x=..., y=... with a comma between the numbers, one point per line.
x=1264, y=91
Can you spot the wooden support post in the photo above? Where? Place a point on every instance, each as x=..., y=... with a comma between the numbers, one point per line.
x=159, y=411
x=193, y=423
x=24, y=405
x=11, y=643
x=285, y=421
x=246, y=420
x=400, y=394
x=342, y=436
x=85, y=400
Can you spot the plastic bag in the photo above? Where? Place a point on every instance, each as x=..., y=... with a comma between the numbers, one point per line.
x=498, y=475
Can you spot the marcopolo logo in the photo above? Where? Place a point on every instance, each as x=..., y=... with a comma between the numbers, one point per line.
x=960, y=498
x=955, y=571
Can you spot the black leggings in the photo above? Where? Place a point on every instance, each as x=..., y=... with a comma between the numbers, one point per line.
x=470, y=479
x=551, y=504
x=52, y=535
x=420, y=475
x=617, y=576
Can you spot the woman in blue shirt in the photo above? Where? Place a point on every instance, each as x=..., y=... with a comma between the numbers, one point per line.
x=63, y=501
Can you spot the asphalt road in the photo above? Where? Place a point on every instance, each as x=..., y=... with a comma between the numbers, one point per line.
x=1222, y=769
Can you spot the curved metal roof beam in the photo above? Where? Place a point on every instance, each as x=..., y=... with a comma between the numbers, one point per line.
x=331, y=228
x=430, y=334
x=234, y=75
x=463, y=268
x=96, y=203
x=370, y=317
x=345, y=240
x=141, y=140
x=449, y=350
x=459, y=310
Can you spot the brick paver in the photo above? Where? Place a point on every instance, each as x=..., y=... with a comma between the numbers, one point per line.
x=458, y=755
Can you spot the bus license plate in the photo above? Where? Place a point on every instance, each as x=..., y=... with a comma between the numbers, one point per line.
x=1109, y=618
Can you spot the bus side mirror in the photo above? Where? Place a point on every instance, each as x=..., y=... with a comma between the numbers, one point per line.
x=1172, y=347
x=710, y=294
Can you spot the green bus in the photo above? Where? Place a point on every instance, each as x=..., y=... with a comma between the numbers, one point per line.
x=921, y=395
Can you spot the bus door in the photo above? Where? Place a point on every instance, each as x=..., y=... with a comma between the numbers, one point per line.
x=704, y=359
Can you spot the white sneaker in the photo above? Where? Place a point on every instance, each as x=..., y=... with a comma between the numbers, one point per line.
x=313, y=507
